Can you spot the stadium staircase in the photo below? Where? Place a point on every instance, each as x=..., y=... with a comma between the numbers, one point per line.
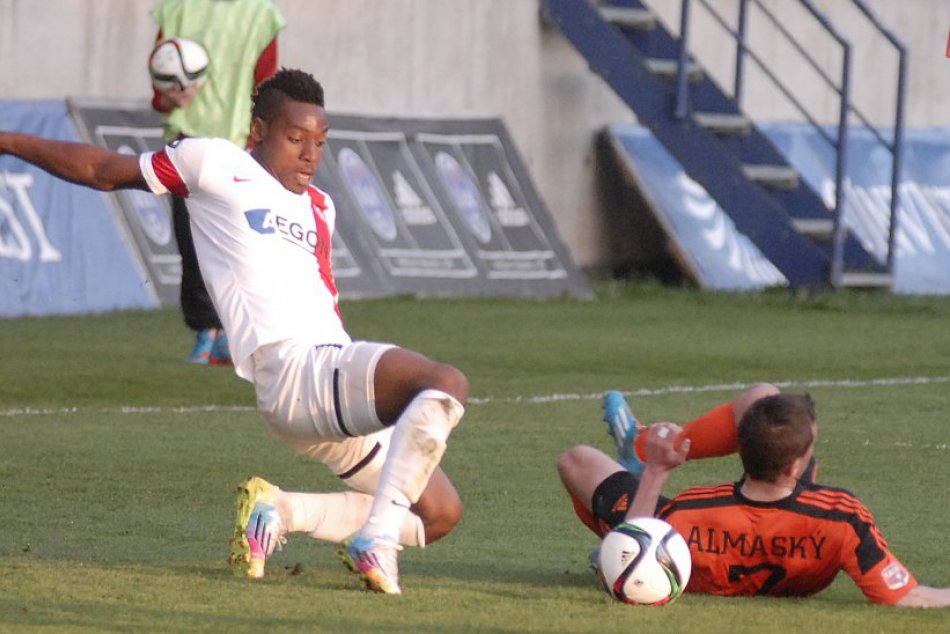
x=720, y=147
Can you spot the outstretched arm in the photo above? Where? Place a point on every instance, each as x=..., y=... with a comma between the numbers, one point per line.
x=79, y=163
x=663, y=454
x=926, y=597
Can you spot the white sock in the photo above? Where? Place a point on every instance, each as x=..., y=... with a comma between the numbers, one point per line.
x=417, y=445
x=335, y=516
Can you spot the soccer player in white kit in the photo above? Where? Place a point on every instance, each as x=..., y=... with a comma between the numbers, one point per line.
x=376, y=415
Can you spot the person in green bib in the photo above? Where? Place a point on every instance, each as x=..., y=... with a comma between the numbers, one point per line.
x=240, y=37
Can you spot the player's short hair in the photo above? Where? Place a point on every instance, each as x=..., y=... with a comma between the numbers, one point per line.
x=285, y=84
x=774, y=432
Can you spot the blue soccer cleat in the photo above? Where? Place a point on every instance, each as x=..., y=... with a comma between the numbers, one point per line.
x=221, y=350
x=204, y=342
x=624, y=429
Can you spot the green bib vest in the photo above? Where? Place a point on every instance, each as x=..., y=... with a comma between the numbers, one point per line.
x=234, y=33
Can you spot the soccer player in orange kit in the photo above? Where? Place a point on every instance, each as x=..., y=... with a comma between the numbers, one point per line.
x=774, y=532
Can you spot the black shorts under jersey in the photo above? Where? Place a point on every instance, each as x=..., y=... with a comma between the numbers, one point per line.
x=613, y=497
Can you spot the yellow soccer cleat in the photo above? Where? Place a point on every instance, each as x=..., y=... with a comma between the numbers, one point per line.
x=257, y=528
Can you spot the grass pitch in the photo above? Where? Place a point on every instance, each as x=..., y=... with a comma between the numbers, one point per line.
x=118, y=462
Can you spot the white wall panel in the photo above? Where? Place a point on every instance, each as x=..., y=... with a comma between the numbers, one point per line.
x=466, y=57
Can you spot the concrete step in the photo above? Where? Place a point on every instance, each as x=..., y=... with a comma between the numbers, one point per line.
x=629, y=19
x=866, y=279
x=723, y=123
x=774, y=176
x=668, y=68
x=817, y=228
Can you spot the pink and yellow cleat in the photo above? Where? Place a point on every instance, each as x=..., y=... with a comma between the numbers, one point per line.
x=375, y=560
x=257, y=528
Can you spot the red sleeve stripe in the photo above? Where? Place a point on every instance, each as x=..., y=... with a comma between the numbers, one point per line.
x=168, y=175
x=266, y=63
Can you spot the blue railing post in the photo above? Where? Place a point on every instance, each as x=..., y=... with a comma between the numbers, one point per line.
x=840, y=230
x=740, y=51
x=897, y=156
x=682, y=75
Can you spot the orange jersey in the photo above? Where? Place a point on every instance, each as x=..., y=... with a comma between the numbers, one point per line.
x=791, y=547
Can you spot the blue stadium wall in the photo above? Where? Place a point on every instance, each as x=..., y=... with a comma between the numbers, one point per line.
x=715, y=255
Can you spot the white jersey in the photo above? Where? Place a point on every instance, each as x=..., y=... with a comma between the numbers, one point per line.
x=263, y=250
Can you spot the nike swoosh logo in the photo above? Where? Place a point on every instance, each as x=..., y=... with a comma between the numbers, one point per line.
x=238, y=179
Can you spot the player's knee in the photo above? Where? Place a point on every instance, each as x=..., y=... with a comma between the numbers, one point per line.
x=452, y=381
x=440, y=509
x=750, y=396
x=444, y=521
x=452, y=515
x=761, y=390
x=570, y=461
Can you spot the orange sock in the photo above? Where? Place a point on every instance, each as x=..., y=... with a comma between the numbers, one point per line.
x=587, y=517
x=711, y=435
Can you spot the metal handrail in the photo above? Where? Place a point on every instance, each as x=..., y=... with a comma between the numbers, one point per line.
x=898, y=140
x=763, y=66
x=846, y=106
x=682, y=71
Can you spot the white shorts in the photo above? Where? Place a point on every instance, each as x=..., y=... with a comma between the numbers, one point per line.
x=320, y=400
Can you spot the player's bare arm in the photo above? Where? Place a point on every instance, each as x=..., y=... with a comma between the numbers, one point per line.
x=80, y=163
x=175, y=97
x=663, y=454
x=926, y=597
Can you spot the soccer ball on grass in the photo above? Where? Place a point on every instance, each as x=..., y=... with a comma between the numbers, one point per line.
x=643, y=562
x=177, y=62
